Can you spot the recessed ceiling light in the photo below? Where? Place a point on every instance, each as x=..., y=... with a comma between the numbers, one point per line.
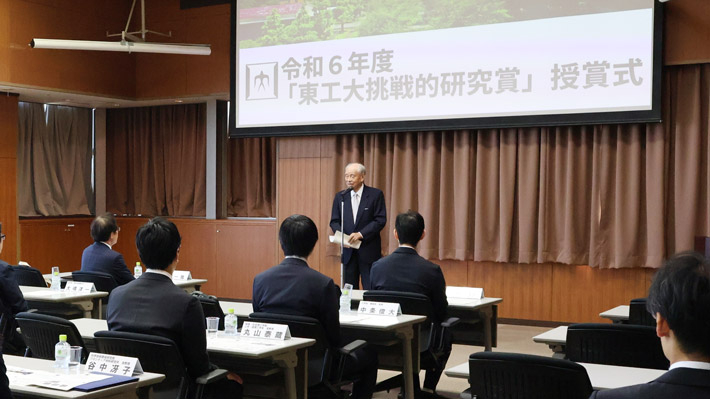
x=178, y=101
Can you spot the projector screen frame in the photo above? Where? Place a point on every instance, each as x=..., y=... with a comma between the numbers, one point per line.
x=654, y=115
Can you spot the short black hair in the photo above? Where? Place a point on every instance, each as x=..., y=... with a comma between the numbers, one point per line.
x=410, y=227
x=102, y=227
x=298, y=236
x=680, y=292
x=158, y=242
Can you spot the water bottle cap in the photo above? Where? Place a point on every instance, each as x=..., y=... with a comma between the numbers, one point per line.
x=62, y=338
x=230, y=311
x=56, y=273
x=138, y=263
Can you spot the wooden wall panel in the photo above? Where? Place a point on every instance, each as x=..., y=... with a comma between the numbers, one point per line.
x=455, y=272
x=580, y=293
x=244, y=249
x=126, y=244
x=54, y=242
x=198, y=250
x=526, y=289
x=8, y=177
x=687, y=32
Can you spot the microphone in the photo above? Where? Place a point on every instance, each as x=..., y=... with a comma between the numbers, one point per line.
x=347, y=191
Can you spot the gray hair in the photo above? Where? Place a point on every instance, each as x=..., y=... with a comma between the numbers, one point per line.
x=360, y=167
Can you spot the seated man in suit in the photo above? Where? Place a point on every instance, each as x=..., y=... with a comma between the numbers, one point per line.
x=404, y=270
x=293, y=288
x=679, y=300
x=11, y=303
x=154, y=305
x=99, y=257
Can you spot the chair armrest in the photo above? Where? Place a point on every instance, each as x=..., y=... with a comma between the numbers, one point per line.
x=351, y=347
x=212, y=376
x=450, y=322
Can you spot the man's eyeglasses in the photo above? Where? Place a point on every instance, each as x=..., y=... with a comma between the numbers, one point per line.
x=2, y=236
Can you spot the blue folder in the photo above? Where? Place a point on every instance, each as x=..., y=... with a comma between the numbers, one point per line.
x=105, y=383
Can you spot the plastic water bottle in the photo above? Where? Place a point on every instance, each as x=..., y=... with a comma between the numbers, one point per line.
x=61, y=352
x=56, y=280
x=138, y=270
x=230, y=323
x=345, y=298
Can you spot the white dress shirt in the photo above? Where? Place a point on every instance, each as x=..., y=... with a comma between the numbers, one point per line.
x=356, y=197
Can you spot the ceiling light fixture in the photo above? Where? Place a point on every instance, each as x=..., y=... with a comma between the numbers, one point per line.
x=130, y=42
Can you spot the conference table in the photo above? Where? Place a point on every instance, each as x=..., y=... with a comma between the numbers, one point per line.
x=602, y=376
x=241, y=354
x=471, y=312
x=619, y=314
x=23, y=390
x=376, y=330
x=191, y=285
x=89, y=302
x=555, y=339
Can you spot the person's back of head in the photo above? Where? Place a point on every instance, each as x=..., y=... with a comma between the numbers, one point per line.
x=158, y=242
x=298, y=236
x=410, y=227
x=102, y=227
x=680, y=293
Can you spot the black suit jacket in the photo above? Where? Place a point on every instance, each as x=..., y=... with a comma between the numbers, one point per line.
x=154, y=305
x=371, y=219
x=293, y=288
x=404, y=270
x=11, y=300
x=683, y=383
x=98, y=257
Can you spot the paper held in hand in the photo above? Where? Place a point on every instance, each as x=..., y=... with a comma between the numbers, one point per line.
x=335, y=239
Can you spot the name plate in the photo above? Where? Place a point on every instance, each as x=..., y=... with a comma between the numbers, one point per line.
x=113, y=364
x=182, y=275
x=464, y=292
x=79, y=287
x=251, y=329
x=379, y=308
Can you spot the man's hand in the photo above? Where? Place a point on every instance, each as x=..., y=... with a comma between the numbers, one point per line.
x=234, y=377
x=354, y=237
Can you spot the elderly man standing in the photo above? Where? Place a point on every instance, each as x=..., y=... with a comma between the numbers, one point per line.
x=364, y=216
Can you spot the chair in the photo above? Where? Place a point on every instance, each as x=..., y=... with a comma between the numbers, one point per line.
x=28, y=276
x=324, y=378
x=615, y=344
x=157, y=355
x=102, y=281
x=41, y=332
x=433, y=347
x=638, y=315
x=494, y=375
x=210, y=307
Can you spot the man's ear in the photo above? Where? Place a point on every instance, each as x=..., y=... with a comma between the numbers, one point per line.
x=396, y=237
x=662, y=327
x=423, y=234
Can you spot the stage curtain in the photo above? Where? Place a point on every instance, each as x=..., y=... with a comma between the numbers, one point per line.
x=252, y=177
x=610, y=196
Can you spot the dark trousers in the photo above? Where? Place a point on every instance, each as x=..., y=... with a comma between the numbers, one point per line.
x=433, y=367
x=363, y=364
x=354, y=269
x=4, y=382
x=223, y=389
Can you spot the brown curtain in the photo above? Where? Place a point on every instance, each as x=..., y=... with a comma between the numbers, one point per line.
x=252, y=177
x=155, y=160
x=610, y=196
x=54, y=160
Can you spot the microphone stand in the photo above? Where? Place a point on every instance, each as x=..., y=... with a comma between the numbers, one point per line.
x=342, y=235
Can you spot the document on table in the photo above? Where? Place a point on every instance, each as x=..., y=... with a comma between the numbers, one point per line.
x=60, y=381
x=338, y=236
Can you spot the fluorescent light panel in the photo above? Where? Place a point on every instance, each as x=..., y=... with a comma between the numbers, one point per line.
x=124, y=46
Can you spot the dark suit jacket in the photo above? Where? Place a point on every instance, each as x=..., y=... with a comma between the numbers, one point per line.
x=685, y=383
x=404, y=270
x=371, y=219
x=11, y=300
x=293, y=288
x=154, y=305
x=98, y=257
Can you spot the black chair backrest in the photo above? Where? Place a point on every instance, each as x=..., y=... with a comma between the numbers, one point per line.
x=156, y=354
x=319, y=355
x=29, y=276
x=411, y=303
x=210, y=307
x=638, y=314
x=102, y=281
x=494, y=375
x=41, y=332
x=615, y=344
